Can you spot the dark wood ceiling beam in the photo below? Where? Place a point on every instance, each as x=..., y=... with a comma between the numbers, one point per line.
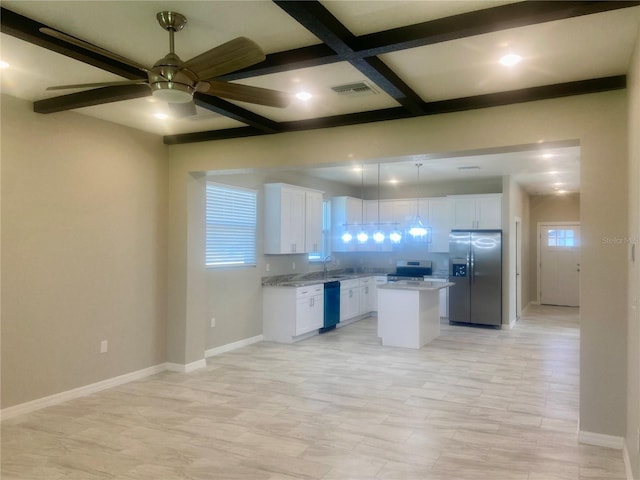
x=88, y=98
x=231, y=110
x=480, y=22
x=318, y=20
x=431, y=32
x=29, y=30
x=544, y=92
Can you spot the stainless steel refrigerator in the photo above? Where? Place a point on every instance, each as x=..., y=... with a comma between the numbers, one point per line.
x=475, y=266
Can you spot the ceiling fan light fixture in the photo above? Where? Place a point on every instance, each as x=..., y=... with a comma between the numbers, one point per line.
x=172, y=92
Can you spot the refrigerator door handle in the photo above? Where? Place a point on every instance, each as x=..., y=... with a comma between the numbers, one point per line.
x=471, y=268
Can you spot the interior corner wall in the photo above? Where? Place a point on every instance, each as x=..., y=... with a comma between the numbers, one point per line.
x=547, y=208
x=633, y=238
x=597, y=121
x=84, y=251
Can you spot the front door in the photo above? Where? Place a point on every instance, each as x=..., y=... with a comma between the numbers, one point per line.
x=559, y=265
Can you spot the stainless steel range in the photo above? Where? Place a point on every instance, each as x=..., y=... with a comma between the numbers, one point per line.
x=411, y=270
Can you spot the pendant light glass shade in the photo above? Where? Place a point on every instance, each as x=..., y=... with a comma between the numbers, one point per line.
x=417, y=230
x=395, y=236
x=347, y=237
x=378, y=235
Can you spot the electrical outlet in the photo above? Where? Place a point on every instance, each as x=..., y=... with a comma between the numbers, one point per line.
x=213, y=322
x=293, y=265
x=267, y=267
x=104, y=346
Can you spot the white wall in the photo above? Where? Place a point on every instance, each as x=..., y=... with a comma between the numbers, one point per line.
x=84, y=251
x=597, y=121
x=633, y=314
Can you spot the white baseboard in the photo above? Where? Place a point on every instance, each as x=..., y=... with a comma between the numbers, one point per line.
x=61, y=397
x=627, y=462
x=186, y=368
x=232, y=346
x=57, y=398
x=600, y=440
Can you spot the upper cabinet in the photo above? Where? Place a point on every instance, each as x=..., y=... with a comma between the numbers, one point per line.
x=291, y=224
x=313, y=221
x=439, y=222
x=475, y=211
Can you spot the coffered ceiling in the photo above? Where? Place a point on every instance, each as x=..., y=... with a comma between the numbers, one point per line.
x=417, y=57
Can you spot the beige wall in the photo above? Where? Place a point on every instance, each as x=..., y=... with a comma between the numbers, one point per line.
x=597, y=121
x=633, y=337
x=547, y=208
x=84, y=207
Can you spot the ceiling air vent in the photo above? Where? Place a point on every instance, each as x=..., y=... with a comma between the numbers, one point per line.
x=359, y=89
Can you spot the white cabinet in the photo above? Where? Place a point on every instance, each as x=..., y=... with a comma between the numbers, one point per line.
x=377, y=280
x=309, y=309
x=289, y=312
x=367, y=295
x=349, y=299
x=313, y=221
x=404, y=212
x=286, y=221
x=346, y=216
x=476, y=211
x=438, y=220
x=371, y=212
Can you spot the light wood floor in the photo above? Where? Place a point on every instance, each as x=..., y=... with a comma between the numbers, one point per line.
x=474, y=404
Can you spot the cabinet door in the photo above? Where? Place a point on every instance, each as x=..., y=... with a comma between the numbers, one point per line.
x=309, y=314
x=293, y=225
x=462, y=213
x=404, y=212
x=349, y=303
x=439, y=223
x=489, y=212
x=313, y=222
x=444, y=302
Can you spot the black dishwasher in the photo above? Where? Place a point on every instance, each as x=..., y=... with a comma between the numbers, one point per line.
x=331, y=306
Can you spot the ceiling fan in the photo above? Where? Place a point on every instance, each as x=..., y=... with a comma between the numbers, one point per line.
x=174, y=81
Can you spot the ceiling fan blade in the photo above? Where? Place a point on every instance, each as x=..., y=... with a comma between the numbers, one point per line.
x=89, y=46
x=234, y=55
x=99, y=84
x=246, y=93
x=182, y=110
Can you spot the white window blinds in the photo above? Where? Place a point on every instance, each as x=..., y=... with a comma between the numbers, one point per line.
x=230, y=226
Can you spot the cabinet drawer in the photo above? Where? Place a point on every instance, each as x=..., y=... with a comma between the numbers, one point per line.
x=309, y=291
x=352, y=283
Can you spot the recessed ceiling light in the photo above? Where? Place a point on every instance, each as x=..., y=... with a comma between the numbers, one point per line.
x=393, y=180
x=4, y=64
x=547, y=155
x=552, y=172
x=356, y=169
x=304, y=96
x=161, y=116
x=510, y=60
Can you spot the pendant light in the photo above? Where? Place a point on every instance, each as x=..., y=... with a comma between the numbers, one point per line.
x=417, y=229
x=362, y=236
x=378, y=235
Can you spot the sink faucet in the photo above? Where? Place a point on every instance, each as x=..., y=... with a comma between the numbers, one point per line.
x=324, y=264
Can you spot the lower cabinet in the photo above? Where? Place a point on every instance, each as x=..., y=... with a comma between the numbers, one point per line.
x=289, y=312
x=349, y=299
x=377, y=280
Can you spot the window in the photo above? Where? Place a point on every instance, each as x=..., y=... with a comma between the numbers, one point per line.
x=230, y=226
x=326, y=234
x=561, y=238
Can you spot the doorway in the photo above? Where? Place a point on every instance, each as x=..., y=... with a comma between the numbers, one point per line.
x=559, y=264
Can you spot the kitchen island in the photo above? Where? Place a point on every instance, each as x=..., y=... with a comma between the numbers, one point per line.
x=409, y=312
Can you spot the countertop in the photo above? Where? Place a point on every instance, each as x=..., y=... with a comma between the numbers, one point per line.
x=415, y=285
x=302, y=281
